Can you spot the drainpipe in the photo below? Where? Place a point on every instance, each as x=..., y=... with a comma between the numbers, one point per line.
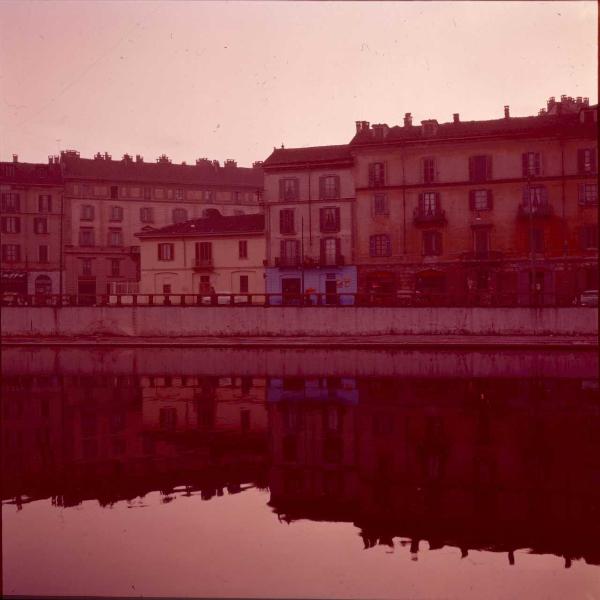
x=403, y=205
x=309, y=210
x=62, y=249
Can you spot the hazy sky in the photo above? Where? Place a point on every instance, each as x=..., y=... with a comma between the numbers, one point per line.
x=233, y=79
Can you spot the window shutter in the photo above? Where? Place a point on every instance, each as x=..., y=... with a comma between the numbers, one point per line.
x=282, y=221
x=337, y=186
x=385, y=172
x=281, y=190
x=544, y=195
x=582, y=238
x=438, y=204
x=490, y=199
x=321, y=189
x=580, y=160
x=593, y=159
x=338, y=245
x=421, y=203
x=297, y=245
x=18, y=225
x=582, y=193
x=337, y=218
x=281, y=248
x=471, y=199
x=372, y=245
x=321, y=218
x=538, y=163
x=471, y=168
x=371, y=174
x=438, y=243
x=526, y=196
x=525, y=164
x=488, y=167
x=322, y=250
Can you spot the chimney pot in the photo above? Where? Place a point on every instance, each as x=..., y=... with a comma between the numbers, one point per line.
x=407, y=120
x=456, y=117
x=15, y=158
x=506, y=111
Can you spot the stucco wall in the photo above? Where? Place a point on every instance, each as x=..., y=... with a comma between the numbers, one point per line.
x=289, y=320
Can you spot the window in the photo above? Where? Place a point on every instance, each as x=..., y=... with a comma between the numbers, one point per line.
x=480, y=168
x=288, y=189
x=586, y=160
x=432, y=243
x=40, y=225
x=380, y=245
x=43, y=285
x=531, y=162
x=86, y=236
x=536, y=240
x=290, y=249
x=286, y=221
x=208, y=196
x=166, y=251
x=480, y=200
x=45, y=203
x=482, y=279
x=11, y=252
x=180, y=215
x=428, y=170
x=167, y=416
x=115, y=267
x=481, y=240
x=377, y=174
x=243, y=249
x=10, y=202
x=147, y=193
x=87, y=212
x=380, y=205
x=11, y=225
x=535, y=197
x=114, y=192
x=86, y=266
x=330, y=251
x=116, y=213
x=204, y=284
x=330, y=219
x=43, y=254
x=179, y=194
x=146, y=215
x=204, y=253
x=329, y=187
x=588, y=194
x=588, y=237
x=243, y=284
x=115, y=237
x=237, y=196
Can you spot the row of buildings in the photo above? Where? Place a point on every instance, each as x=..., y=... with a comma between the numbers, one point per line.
x=466, y=209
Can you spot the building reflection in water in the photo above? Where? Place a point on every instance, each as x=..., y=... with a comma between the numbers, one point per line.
x=480, y=464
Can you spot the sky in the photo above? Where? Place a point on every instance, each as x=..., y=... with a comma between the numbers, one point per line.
x=234, y=79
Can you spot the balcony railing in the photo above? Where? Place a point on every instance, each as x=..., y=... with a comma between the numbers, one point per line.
x=423, y=216
x=203, y=264
x=332, y=261
x=287, y=261
x=482, y=255
x=535, y=211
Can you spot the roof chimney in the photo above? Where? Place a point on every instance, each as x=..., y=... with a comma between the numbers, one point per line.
x=407, y=120
x=139, y=158
x=506, y=111
x=15, y=158
x=456, y=118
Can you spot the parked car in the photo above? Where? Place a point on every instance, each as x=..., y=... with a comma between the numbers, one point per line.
x=587, y=298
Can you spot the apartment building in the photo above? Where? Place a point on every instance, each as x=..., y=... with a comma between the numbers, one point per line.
x=113, y=200
x=309, y=204
x=32, y=218
x=480, y=210
x=221, y=254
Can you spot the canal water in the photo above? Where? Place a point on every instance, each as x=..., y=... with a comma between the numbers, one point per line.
x=300, y=474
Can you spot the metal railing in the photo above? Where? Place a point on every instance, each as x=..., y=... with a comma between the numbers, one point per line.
x=402, y=299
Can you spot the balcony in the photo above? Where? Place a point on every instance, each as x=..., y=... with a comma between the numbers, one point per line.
x=332, y=261
x=537, y=211
x=287, y=261
x=203, y=264
x=482, y=255
x=427, y=216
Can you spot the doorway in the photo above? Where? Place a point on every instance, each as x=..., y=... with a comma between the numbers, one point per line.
x=291, y=290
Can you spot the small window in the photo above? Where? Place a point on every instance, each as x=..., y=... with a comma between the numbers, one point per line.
x=167, y=416
x=40, y=225
x=243, y=284
x=531, y=164
x=179, y=194
x=180, y=215
x=429, y=170
x=432, y=243
x=376, y=174
x=43, y=254
x=11, y=224
x=208, y=196
x=87, y=212
x=204, y=252
x=329, y=219
x=11, y=252
x=380, y=205
x=588, y=237
x=86, y=236
x=329, y=187
x=45, y=203
x=166, y=251
x=429, y=203
x=480, y=168
x=588, y=194
x=115, y=267
x=288, y=189
x=86, y=266
x=10, y=202
x=286, y=221
x=115, y=237
x=480, y=200
x=380, y=245
x=146, y=215
x=116, y=213
x=586, y=161
x=243, y=249
x=114, y=192
x=481, y=240
x=237, y=196
x=147, y=193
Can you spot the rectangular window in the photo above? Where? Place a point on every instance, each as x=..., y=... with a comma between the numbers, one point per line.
x=115, y=237
x=286, y=221
x=11, y=252
x=432, y=243
x=208, y=196
x=204, y=253
x=114, y=192
x=237, y=196
x=481, y=241
x=44, y=203
x=180, y=215
x=380, y=205
x=115, y=267
x=428, y=170
x=11, y=224
x=166, y=251
x=536, y=240
x=86, y=266
x=480, y=168
x=531, y=163
x=40, y=225
x=87, y=212
x=330, y=219
x=480, y=200
x=86, y=236
x=290, y=250
x=588, y=237
x=380, y=245
x=586, y=160
x=116, y=213
x=10, y=202
x=289, y=189
x=535, y=198
x=588, y=194
x=43, y=254
x=429, y=203
x=147, y=193
x=243, y=284
x=330, y=251
x=329, y=187
x=243, y=249
x=146, y=215
x=376, y=174
x=179, y=194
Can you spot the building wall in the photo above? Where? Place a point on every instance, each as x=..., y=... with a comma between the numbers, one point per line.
x=224, y=275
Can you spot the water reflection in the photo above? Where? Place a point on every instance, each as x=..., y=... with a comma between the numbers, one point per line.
x=476, y=464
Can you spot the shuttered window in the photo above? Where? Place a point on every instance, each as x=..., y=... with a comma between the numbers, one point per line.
x=432, y=243
x=480, y=168
x=329, y=187
x=286, y=221
x=380, y=245
x=288, y=189
x=329, y=218
x=531, y=164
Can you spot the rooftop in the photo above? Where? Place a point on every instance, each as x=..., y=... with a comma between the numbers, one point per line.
x=310, y=154
x=30, y=173
x=209, y=226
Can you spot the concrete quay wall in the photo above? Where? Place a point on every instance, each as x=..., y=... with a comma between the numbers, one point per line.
x=175, y=321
